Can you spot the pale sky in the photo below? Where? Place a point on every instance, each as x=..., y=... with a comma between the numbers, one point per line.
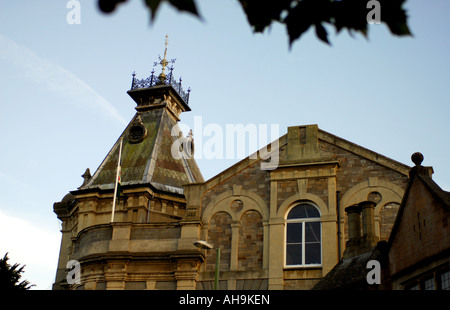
x=63, y=100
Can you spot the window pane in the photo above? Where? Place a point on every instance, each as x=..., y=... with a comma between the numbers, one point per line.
x=312, y=212
x=294, y=232
x=297, y=212
x=303, y=211
x=413, y=287
x=312, y=253
x=428, y=284
x=294, y=254
x=445, y=280
x=312, y=231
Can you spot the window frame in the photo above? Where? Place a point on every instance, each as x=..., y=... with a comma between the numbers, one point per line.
x=440, y=280
x=419, y=282
x=302, y=221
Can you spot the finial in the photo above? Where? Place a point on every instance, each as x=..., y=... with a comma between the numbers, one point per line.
x=86, y=177
x=164, y=62
x=417, y=158
x=166, y=43
x=132, y=80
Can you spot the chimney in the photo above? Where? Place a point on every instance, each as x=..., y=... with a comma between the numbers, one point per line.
x=369, y=239
x=354, y=231
x=358, y=244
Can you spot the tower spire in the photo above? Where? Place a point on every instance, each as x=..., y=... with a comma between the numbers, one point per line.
x=165, y=50
x=161, y=79
x=164, y=62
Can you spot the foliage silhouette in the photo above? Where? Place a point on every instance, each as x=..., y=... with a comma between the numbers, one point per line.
x=300, y=15
x=10, y=276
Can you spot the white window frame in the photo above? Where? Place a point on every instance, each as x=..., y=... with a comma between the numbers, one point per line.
x=303, y=221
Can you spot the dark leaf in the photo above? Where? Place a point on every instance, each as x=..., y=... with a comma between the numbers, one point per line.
x=321, y=33
x=108, y=6
x=304, y=15
x=261, y=13
x=395, y=16
x=350, y=14
x=181, y=5
x=185, y=5
x=153, y=6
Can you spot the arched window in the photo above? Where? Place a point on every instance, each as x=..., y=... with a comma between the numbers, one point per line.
x=303, y=236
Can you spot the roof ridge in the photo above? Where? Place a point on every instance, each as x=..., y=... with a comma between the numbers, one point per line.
x=364, y=152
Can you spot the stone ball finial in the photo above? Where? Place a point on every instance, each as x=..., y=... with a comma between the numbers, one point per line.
x=417, y=158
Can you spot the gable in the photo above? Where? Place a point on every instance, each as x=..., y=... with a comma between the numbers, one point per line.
x=422, y=226
x=309, y=153
x=309, y=144
x=363, y=152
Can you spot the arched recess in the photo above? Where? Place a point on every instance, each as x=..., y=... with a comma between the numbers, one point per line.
x=251, y=241
x=223, y=203
x=236, y=205
x=220, y=235
x=389, y=193
x=386, y=191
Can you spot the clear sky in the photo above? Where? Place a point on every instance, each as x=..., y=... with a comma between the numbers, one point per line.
x=63, y=100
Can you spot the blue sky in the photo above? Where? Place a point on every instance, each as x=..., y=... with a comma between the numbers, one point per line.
x=63, y=100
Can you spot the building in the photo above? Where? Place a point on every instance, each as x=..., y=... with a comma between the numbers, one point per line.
x=280, y=224
x=286, y=228
x=419, y=245
x=140, y=248
x=417, y=254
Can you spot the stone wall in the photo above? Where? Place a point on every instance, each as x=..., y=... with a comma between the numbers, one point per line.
x=334, y=165
x=250, y=252
x=424, y=230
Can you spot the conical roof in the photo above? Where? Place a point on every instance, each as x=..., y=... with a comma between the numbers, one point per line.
x=146, y=155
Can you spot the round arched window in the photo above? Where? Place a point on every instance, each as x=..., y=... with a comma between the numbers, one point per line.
x=303, y=236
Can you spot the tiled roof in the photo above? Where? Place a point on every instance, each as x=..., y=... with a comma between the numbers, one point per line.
x=351, y=273
x=148, y=161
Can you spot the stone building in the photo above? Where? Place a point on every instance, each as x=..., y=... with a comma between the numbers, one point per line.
x=279, y=225
x=285, y=228
x=417, y=253
x=141, y=247
x=419, y=245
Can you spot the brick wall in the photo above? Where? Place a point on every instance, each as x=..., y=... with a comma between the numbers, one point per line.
x=355, y=169
x=424, y=229
x=250, y=253
x=219, y=235
x=252, y=178
x=387, y=218
x=285, y=189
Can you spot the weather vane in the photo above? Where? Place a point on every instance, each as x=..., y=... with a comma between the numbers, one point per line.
x=164, y=62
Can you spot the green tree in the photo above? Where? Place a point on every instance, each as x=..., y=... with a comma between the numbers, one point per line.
x=300, y=15
x=10, y=276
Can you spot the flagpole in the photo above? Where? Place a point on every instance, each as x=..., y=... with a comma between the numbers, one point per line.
x=117, y=181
